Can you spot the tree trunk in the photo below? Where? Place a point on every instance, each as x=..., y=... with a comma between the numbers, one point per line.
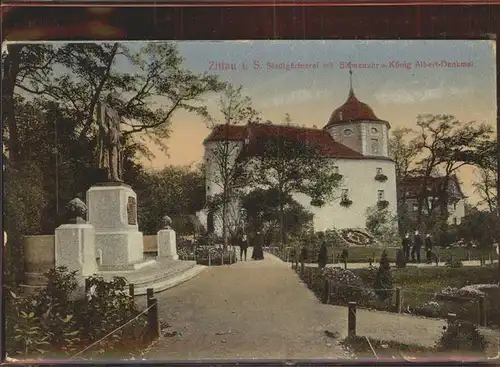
x=224, y=219
x=97, y=94
x=282, y=225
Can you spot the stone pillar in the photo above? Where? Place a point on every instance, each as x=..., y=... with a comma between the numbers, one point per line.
x=167, y=247
x=75, y=248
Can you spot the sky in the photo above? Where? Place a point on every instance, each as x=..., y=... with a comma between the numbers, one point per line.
x=397, y=93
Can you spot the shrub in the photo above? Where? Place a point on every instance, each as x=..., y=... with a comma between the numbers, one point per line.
x=346, y=286
x=323, y=256
x=431, y=309
x=383, y=281
x=106, y=308
x=462, y=336
x=400, y=259
x=56, y=320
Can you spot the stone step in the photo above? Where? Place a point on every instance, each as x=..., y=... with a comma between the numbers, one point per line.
x=163, y=284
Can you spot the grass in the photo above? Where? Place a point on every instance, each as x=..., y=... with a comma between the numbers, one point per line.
x=420, y=285
x=365, y=254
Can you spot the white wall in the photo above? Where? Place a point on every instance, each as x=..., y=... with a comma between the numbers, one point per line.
x=213, y=184
x=359, y=179
x=456, y=213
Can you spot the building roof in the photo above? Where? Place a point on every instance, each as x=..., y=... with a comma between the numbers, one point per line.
x=352, y=110
x=412, y=186
x=251, y=134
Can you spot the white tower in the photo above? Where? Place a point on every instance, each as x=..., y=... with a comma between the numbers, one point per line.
x=355, y=125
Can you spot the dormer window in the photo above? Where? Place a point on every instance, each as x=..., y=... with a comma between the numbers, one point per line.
x=347, y=132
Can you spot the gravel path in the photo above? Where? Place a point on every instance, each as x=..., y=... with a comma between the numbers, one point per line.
x=260, y=309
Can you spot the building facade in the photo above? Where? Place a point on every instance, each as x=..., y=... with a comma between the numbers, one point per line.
x=354, y=138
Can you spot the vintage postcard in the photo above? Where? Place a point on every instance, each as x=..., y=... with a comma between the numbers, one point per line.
x=251, y=199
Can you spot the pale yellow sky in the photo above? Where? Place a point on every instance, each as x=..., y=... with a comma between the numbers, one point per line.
x=396, y=95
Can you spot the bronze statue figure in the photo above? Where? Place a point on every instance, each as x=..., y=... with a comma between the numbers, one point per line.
x=110, y=141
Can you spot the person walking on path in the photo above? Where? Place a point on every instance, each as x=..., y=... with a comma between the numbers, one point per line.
x=258, y=251
x=417, y=246
x=407, y=246
x=428, y=248
x=243, y=246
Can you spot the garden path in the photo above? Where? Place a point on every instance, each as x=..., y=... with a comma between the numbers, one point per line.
x=260, y=309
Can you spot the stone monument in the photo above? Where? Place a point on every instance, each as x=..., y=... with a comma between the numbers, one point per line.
x=75, y=242
x=166, y=241
x=112, y=205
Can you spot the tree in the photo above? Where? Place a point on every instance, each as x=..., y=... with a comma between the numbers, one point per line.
x=291, y=166
x=481, y=228
x=262, y=213
x=383, y=279
x=404, y=150
x=78, y=76
x=178, y=192
x=487, y=185
x=447, y=144
x=227, y=169
x=20, y=62
x=382, y=224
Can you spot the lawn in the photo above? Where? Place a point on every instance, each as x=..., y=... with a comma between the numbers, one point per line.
x=419, y=287
x=365, y=254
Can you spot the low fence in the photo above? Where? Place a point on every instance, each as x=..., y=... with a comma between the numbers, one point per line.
x=325, y=289
x=150, y=312
x=372, y=255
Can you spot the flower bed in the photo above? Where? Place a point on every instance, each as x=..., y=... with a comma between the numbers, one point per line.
x=208, y=255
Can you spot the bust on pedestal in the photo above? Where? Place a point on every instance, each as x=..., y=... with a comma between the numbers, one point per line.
x=74, y=242
x=166, y=241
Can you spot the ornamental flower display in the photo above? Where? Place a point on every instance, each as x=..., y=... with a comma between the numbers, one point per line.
x=380, y=177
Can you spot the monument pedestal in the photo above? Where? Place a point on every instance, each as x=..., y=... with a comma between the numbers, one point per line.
x=75, y=248
x=167, y=247
x=112, y=210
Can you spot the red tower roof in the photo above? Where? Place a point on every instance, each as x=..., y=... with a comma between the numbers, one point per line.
x=352, y=110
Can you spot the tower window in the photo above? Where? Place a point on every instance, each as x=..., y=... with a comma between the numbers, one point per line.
x=374, y=131
x=375, y=146
x=380, y=195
